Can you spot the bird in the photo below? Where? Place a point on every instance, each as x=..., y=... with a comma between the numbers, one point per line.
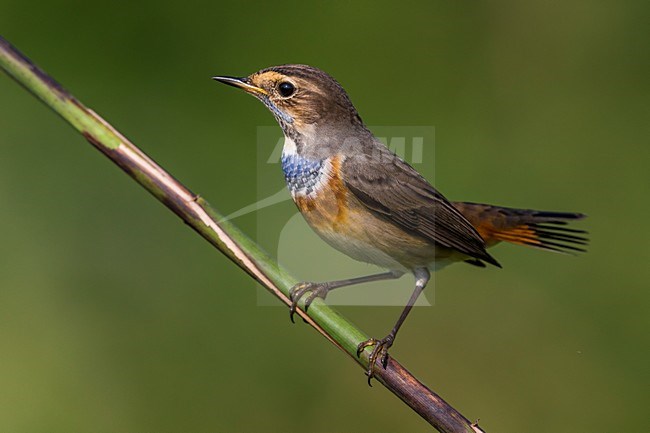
x=370, y=204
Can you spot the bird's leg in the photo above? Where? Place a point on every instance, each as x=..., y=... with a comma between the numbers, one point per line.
x=320, y=290
x=380, y=350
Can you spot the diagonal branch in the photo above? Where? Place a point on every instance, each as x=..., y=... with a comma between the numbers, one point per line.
x=198, y=214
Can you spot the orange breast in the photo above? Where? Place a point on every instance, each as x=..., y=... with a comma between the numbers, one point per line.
x=327, y=207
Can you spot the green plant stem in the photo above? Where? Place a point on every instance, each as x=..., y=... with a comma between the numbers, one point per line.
x=207, y=222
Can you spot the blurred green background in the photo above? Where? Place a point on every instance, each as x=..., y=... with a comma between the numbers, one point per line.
x=114, y=316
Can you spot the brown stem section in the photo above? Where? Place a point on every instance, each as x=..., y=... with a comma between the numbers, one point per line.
x=197, y=214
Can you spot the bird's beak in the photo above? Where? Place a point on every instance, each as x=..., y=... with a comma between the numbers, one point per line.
x=242, y=83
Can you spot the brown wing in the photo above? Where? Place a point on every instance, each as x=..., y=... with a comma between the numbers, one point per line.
x=395, y=191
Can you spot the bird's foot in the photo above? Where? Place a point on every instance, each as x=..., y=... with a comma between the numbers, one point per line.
x=297, y=292
x=380, y=351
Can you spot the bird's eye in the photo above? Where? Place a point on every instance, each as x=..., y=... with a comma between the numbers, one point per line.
x=286, y=89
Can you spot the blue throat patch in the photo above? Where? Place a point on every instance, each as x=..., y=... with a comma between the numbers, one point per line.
x=301, y=174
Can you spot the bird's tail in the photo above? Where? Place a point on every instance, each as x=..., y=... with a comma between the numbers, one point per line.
x=539, y=229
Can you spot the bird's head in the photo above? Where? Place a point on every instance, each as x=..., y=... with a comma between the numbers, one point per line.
x=302, y=98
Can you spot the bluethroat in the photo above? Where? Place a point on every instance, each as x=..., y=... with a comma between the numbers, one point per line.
x=370, y=204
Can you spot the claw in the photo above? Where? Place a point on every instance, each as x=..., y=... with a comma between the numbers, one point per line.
x=294, y=296
x=313, y=295
x=380, y=352
x=292, y=311
x=318, y=290
x=361, y=347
